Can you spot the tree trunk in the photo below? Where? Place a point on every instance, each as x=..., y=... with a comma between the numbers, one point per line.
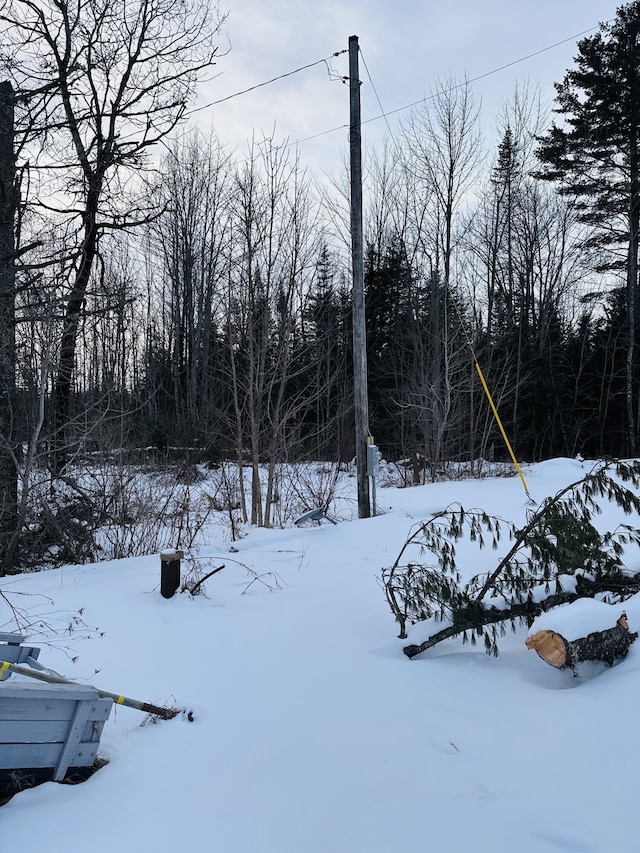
x=8, y=208
x=605, y=645
x=632, y=300
x=72, y=317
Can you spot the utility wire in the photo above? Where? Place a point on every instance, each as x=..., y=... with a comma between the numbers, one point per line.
x=375, y=92
x=481, y=76
x=268, y=82
x=385, y=115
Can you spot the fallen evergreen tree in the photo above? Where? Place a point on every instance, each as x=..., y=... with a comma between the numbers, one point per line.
x=556, y=557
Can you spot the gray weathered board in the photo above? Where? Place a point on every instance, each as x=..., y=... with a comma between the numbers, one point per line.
x=47, y=729
x=15, y=652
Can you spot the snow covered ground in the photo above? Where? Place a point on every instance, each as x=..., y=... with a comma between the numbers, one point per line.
x=313, y=733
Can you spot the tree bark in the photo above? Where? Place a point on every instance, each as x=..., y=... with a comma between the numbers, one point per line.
x=8, y=208
x=72, y=319
x=605, y=645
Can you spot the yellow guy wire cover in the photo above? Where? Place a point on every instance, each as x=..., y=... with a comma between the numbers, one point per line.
x=504, y=435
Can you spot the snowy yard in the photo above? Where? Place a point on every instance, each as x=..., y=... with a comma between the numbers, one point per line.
x=313, y=732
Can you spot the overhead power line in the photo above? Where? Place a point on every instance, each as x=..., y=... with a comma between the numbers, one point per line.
x=481, y=76
x=383, y=115
x=268, y=82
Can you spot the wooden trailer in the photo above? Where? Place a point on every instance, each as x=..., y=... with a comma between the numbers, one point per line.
x=48, y=732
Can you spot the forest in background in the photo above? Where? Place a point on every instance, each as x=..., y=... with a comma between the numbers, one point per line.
x=175, y=303
x=225, y=324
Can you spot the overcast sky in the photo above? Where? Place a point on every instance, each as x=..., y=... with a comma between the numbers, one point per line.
x=406, y=44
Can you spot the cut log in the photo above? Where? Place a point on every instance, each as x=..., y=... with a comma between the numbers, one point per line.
x=563, y=653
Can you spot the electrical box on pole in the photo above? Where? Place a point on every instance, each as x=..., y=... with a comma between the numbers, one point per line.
x=373, y=466
x=373, y=459
x=360, y=395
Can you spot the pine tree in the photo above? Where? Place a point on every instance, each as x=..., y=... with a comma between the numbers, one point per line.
x=505, y=179
x=329, y=377
x=595, y=158
x=390, y=287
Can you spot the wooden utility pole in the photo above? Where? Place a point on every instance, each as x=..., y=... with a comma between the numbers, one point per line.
x=360, y=396
x=8, y=208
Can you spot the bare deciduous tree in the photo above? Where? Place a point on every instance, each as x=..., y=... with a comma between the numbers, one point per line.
x=273, y=252
x=191, y=239
x=443, y=154
x=102, y=82
x=442, y=158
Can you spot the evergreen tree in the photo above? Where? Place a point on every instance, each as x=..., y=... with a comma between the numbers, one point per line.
x=505, y=179
x=598, y=357
x=393, y=325
x=595, y=157
x=328, y=433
